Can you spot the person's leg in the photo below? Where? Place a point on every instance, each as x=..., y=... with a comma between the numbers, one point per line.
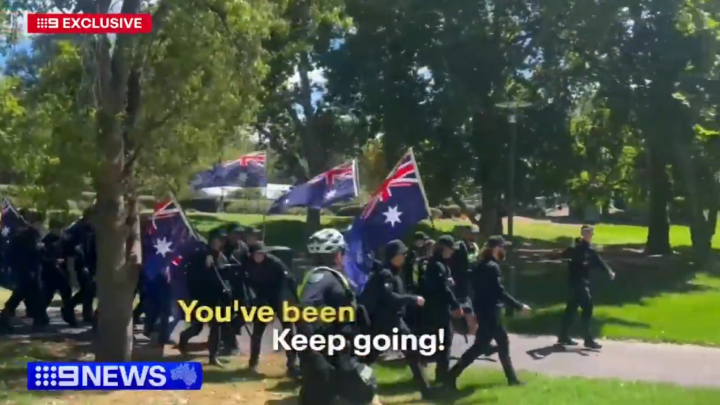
x=65, y=291
x=88, y=301
x=193, y=330
x=442, y=362
x=214, y=343
x=586, y=304
x=485, y=335
x=316, y=382
x=256, y=343
x=571, y=308
x=503, y=345
x=291, y=356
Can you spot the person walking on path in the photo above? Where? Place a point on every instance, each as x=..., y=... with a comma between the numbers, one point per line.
x=582, y=257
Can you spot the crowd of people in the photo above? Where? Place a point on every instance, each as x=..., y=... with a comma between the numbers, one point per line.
x=448, y=284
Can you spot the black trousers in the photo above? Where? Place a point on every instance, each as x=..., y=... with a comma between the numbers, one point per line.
x=86, y=295
x=412, y=357
x=256, y=341
x=213, y=339
x=490, y=328
x=29, y=289
x=442, y=357
x=578, y=297
x=55, y=280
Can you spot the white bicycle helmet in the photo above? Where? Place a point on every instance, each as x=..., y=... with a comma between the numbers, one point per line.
x=326, y=241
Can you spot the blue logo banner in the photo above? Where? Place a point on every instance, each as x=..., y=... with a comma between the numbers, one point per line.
x=43, y=376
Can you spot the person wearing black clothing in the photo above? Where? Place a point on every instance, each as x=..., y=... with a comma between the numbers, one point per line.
x=385, y=299
x=208, y=288
x=582, y=256
x=25, y=255
x=81, y=247
x=235, y=251
x=326, y=377
x=440, y=301
x=55, y=275
x=490, y=297
x=270, y=280
x=464, y=259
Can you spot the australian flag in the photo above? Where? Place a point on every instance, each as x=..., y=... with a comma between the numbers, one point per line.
x=166, y=236
x=247, y=171
x=9, y=221
x=396, y=207
x=337, y=184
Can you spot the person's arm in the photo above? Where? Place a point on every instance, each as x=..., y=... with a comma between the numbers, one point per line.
x=597, y=261
x=563, y=254
x=435, y=281
x=392, y=298
x=508, y=299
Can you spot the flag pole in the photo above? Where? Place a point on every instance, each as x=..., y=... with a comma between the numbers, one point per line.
x=184, y=217
x=422, y=188
x=265, y=195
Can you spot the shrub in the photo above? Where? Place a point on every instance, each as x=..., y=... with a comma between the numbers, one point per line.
x=259, y=206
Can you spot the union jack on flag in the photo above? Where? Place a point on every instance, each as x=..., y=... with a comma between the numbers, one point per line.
x=255, y=158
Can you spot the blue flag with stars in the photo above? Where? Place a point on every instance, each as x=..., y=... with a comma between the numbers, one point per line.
x=337, y=184
x=247, y=171
x=395, y=208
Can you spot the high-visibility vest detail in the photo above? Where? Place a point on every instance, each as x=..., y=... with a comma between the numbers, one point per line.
x=338, y=275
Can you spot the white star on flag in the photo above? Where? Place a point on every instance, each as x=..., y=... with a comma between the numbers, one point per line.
x=162, y=246
x=392, y=216
x=242, y=177
x=330, y=194
x=5, y=231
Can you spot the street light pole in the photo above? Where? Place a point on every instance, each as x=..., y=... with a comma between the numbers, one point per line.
x=513, y=107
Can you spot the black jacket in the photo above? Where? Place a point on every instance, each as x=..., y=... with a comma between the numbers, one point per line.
x=583, y=257
x=385, y=298
x=204, y=283
x=490, y=294
x=269, y=280
x=25, y=253
x=461, y=269
x=437, y=291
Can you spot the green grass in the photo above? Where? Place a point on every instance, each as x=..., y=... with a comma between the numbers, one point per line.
x=652, y=299
x=483, y=386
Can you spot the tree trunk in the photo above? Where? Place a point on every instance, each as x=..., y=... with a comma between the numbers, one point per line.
x=489, y=214
x=658, y=239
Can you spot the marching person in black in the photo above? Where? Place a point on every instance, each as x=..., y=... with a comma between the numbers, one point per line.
x=208, y=288
x=440, y=301
x=385, y=299
x=464, y=259
x=25, y=251
x=236, y=251
x=582, y=257
x=490, y=297
x=81, y=248
x=412, y=274
x=326, y=377
x=55, y=275
x=270, y=281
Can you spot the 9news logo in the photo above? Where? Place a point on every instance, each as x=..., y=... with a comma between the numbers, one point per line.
x=114, y=376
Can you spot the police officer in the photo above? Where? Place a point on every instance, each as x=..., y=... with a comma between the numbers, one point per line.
x=490, y=296
x=270, y=280
x=412, y=269
x=440, y=301
x=385, y=299
x=55, y=276
x=25, y=252
x=326, y=377
x=582, y=257
x=206, y=285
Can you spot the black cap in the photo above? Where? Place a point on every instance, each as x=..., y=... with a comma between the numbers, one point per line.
x=586, y=228
x=235, y=228
x=217, y=233
x=446, y=241
x=258, y=248
x=394, y=248
x=496, y=241
x=421, y=236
